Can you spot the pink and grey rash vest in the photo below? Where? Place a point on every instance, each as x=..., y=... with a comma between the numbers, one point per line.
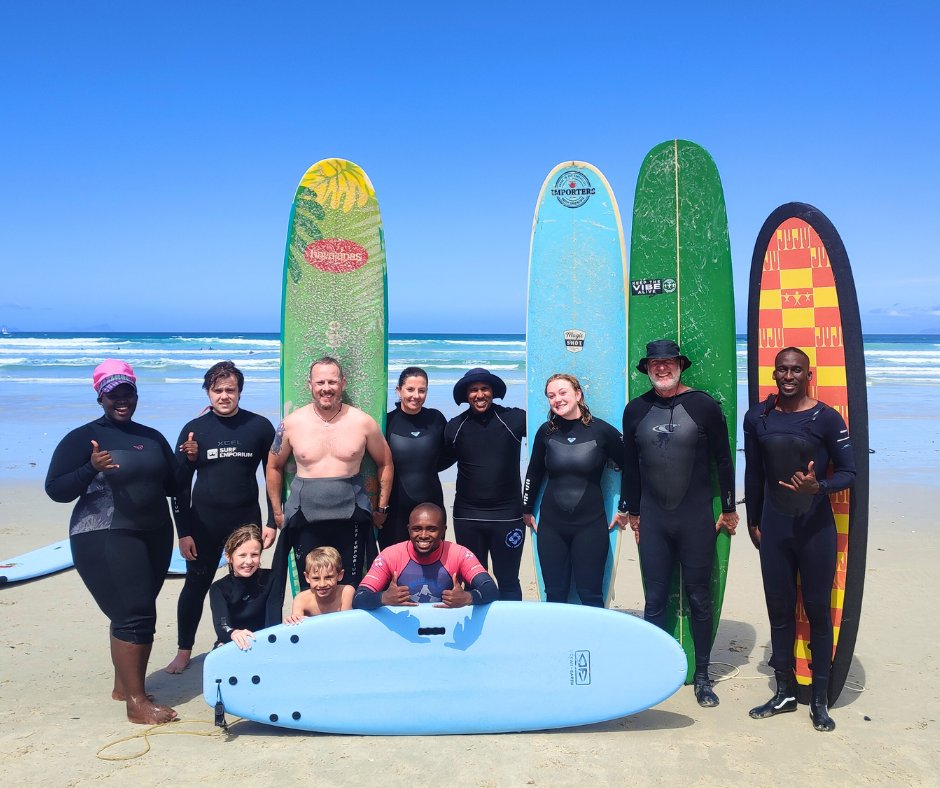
x=427, y=577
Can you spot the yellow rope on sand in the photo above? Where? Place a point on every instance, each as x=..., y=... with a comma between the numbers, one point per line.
x=161, y=729
x=735, y=673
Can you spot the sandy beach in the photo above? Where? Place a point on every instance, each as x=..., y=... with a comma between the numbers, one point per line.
x=55, y=681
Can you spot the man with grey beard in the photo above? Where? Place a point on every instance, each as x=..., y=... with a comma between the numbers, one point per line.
x=671, y=435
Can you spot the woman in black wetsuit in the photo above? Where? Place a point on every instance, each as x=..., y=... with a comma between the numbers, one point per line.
x=222, y=448
x=571, y=449
x=120, y=531
x=238, y=600
x=416, y=437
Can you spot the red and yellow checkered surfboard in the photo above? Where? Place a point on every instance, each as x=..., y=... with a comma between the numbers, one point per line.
x=802, y=295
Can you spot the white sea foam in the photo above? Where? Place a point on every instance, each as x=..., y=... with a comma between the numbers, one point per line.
x=272, y=343
x=459, y=342
x=56, y=381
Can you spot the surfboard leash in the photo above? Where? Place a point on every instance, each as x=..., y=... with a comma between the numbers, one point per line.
x=219, y=707
x=161, y=729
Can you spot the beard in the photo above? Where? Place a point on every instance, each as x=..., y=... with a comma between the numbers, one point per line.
x=666, y=385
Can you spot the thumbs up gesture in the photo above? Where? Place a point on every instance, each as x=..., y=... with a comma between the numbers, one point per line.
x=456, y=596
x=396, y=594
x=101, y=459
x=190, y=448
x=804, y=483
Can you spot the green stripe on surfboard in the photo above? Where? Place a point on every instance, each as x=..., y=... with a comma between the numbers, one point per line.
x=681, y=288
x=334, y=301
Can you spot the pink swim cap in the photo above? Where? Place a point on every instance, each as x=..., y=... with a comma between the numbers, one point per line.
x=111, y=373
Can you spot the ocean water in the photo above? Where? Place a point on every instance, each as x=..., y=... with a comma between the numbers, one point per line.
x=45, y=386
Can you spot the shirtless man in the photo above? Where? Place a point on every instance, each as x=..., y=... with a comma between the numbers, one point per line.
x=327, y=505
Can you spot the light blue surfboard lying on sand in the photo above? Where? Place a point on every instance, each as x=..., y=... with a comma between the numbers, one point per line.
x=576, y=320
x=36, y=563
x=178, y=563
x=508, y=666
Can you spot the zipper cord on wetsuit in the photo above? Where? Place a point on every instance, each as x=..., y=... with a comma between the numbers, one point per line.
x=466, y=416
x=672, y=401
x=518, y=440
x=769, y=405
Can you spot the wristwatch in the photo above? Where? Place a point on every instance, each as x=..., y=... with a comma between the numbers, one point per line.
x=382, y=509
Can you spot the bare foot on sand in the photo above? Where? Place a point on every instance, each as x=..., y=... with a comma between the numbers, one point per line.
x=180, y=662
x=117, y=694
x=146, y=712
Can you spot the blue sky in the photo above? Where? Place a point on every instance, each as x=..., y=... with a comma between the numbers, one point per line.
x=151, y=150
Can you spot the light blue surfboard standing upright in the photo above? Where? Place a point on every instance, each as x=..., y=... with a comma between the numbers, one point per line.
x=576, y=320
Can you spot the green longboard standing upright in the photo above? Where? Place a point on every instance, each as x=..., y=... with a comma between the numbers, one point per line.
x=681, y=289
x=334, y=298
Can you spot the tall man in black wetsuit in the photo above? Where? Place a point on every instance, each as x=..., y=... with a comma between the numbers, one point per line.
x=671, y=435
x=486, y=441
x=788, y=440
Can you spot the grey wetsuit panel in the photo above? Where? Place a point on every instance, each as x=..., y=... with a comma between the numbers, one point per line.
x=667, y=450
x=322, y=500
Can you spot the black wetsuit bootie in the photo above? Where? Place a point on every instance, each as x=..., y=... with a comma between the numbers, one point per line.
x=784, y=698
x=818, y=707
x=704, y=693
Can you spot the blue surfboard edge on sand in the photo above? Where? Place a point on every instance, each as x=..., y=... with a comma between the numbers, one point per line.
x=576, y=317
x=37, y=563
x=507, y=666
x=178, y=563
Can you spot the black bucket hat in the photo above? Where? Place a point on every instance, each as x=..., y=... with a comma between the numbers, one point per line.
x=662, y=348
x=478, y=375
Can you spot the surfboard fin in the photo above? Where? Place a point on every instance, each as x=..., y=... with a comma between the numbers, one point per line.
x=219, y=707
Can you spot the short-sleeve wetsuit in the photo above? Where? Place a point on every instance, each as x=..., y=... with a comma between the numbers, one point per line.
x=670, y=444
x=797, y=531
x=427, y=576
x=417, y=444
x=572, y=527
x=488, y=505
x=224, y=497
x=120, y=531
x=239, y=603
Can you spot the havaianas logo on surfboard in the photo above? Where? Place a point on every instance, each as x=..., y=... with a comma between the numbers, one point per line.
x=336, y=255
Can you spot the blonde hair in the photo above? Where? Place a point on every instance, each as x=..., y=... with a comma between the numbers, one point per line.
x=323, y=558
x=238, y=537
x=582, y=404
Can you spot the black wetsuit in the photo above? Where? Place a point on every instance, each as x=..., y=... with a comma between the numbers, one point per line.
x=573, y=536
x=670, y=444
x=488, y=506
x=120, y=531
x=417, y=444
x=797, y=531
x=224, y=497
x=239, y=603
